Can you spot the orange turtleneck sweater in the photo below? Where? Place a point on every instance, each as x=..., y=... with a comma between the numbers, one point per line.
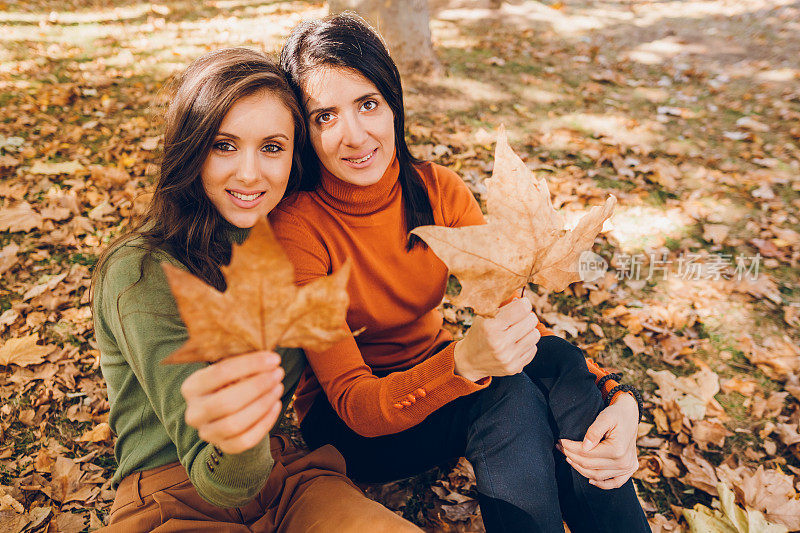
x=393, y=297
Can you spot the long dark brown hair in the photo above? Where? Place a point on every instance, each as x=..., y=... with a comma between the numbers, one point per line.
x=180, y=217
x=345, y=40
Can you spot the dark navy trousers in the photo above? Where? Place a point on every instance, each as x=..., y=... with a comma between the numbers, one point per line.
x=508, y=432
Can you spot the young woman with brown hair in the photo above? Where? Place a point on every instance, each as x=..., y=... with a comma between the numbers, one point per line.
x=401, y=396
x=193, y=441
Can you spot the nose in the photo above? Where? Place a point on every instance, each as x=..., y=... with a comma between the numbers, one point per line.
x=353, y=131
x=247, y=171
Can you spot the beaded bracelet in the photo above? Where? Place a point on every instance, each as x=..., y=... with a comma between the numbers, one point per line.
x=602, y=380
x=633, y=390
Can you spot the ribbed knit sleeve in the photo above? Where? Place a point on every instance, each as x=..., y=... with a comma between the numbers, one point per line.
x=373, y=406
x=137, y=325
x=369, y=405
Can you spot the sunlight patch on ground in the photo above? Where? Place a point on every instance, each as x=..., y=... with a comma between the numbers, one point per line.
x=151, y=43
x=453, y=93
x=613, y=129
x=539, y=96
x=570, y=20
x=97, y=15
x=448, y=35
x=726, y=316
x=658, y=51
x=781, y=74
x=476, y=90
x=526, y=14
x=115, y=14
x=652, y=12
x=642, y=227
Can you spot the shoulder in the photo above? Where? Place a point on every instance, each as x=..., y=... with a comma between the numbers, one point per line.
x=132, y=271
x=295, y=208
x=298, y=214
x=441, y=181
x=450, y=197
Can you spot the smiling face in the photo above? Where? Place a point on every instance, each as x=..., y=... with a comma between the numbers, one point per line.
x=246, y=172
x=351, y=127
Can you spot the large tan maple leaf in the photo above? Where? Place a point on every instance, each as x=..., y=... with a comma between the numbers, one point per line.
x=261, y=307
x=523, y=242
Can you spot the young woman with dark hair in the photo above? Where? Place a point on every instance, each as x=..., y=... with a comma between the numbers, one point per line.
x=193, y=441
x=401, y=396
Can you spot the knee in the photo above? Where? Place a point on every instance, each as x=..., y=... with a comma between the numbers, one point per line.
x=513, y=392
x=555, y=356
x=510, y=407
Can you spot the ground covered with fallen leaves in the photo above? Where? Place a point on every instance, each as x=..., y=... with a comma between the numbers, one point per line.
x=686, y=111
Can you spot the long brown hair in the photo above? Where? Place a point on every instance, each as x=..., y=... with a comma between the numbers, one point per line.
x=180, y=217
x=346, y=40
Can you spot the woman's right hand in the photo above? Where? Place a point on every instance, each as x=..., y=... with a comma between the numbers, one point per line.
x=233, y=403
x=499, y=346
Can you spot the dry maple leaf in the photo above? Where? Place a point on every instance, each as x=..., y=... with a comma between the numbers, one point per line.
x=523, y=242
x=23, y=351
x=67, y=482
x=261, y=307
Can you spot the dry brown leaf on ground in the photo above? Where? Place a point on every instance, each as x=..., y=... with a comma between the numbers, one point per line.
x=702, y=474
x=769, y=491
x=661, y=524
x=67, y=484
x=70, y=522
x=705, y=432
x=731, y=518
x=8, y=257
x=523, y=242
x=745, y=387
x=21, y=217
x=23, y=351
x=100, y=433
x=54, y=169
x=694, y=395
x=777, y=358
x=261, y=307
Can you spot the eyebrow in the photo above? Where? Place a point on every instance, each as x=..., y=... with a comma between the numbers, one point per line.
x=236, y=138
x=331, y=108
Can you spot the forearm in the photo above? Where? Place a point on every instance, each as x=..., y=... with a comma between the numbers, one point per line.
x=373, y=406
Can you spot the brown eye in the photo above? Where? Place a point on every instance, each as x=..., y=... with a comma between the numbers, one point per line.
x=273, y=148
x=224, y=146
x=324, y=118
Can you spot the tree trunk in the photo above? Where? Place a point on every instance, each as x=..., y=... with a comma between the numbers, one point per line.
x=404, y=26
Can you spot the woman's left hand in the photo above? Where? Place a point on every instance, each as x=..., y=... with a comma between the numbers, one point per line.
x=607, y=455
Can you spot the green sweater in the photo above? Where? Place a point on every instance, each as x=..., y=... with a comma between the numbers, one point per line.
x=137, y=324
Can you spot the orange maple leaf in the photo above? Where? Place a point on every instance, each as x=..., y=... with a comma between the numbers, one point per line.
x=261, y=307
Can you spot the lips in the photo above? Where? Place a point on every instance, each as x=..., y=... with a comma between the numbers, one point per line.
x=244, y=196
x=245, y=200
x=361, y=159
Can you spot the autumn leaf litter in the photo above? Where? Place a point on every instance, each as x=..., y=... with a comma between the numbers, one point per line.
x=676, y=112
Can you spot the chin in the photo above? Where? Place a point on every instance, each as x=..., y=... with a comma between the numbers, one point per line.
x=243, y=221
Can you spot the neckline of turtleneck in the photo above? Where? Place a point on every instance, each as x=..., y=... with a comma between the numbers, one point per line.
x=359, y=199
x=233, y=233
